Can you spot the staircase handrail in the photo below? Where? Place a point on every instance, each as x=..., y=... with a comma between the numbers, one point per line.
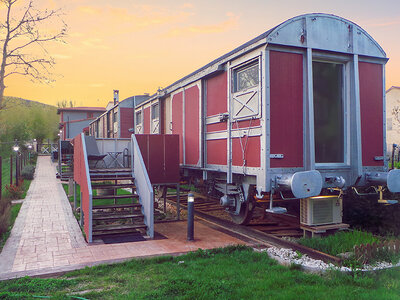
x=143, y=187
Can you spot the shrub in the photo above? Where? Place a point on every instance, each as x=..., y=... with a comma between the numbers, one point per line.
x=15, y=192
x=33, y=159
x=27, y=172
x=4, y=215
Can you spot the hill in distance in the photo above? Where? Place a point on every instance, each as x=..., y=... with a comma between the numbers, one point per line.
x=14, y=102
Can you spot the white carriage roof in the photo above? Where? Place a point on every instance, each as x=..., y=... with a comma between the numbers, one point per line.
x=317, y=31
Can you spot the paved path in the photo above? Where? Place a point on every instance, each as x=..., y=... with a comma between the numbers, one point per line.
x=46, y=238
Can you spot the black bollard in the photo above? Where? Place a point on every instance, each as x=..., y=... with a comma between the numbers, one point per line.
x=190, y=217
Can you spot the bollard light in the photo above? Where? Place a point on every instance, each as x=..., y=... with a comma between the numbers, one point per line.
x=190, y=197
x=190, y=217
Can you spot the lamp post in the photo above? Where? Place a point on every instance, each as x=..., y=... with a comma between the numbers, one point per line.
x=16, y=149
x=30, y=147
x=190, y=217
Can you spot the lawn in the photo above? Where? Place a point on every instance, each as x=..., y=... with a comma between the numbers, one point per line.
x=15, y=208
x=344, y=241
x=229, y=273
x=98, y=201
x=5, y=173
x=14, y=213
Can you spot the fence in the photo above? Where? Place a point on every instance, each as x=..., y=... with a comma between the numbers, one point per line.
x=364, y=253
x=47, y=148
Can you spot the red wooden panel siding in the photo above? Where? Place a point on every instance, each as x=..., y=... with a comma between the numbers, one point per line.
x=160, y=156
x=217, y=94
x=144, y=149
x=156, y=158
x=216, y=152
x=171, y=158
x=80, y=178
x=177, y=121
x=146, y=120
x=252, y=151
x=126, y=120
x=371, y=107
x=192, y=125
x=286, y=94
x=217, y=127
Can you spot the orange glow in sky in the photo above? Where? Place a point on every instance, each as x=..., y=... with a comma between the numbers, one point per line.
x=139, y=46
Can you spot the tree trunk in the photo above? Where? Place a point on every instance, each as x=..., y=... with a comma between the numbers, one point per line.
x=5, y=55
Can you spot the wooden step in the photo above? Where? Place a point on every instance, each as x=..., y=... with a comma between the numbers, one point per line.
x=115, y=196
x=133, y=205
x=110, y=229
x=108, y=177
x=117, y=216
x=113, y=185
x=124, y=170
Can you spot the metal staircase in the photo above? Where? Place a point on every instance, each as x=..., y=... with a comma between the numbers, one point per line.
x=114, y=213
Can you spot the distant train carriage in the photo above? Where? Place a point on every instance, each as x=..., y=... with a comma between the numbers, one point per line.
x=298, y=110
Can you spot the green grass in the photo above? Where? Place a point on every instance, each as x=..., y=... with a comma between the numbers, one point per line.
x=97, y=201
x=6, y=177
x=14, y=213
x=228, y=273
x=5, y=173
x=342, y=241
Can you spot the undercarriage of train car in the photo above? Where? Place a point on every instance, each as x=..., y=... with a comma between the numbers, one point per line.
x=241, y=198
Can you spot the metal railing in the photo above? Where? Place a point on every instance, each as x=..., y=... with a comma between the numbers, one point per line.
x=143, y=187
x=82, y=177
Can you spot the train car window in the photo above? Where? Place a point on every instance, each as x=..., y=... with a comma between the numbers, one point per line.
x=155, y=111
x=245, y=99
x=246, y=77
x=328, y=112
x=138, y=117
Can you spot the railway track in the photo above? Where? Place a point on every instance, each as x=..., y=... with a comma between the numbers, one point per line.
x=266, y=231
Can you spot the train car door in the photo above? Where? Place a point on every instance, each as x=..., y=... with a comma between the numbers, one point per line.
x=245, y=113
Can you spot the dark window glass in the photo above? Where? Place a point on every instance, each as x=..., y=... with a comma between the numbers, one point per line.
x=328, y=112
x=138, y=118
x=154, y=112
x=246, y=77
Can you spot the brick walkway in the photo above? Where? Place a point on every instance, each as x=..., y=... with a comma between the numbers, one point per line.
x=46, y=238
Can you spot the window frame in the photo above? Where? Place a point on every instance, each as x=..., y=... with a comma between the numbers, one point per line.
x=152, y=111
x=240, y=69
x=346, y=98
x=137, y=121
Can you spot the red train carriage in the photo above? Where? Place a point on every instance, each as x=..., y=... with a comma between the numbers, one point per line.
x=298, y=110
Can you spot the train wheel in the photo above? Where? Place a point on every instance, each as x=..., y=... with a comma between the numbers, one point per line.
x=246, y=208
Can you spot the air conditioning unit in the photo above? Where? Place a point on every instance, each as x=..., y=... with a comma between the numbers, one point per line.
x=321, y=210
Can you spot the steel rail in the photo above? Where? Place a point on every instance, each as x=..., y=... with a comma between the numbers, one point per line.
x=247, y=233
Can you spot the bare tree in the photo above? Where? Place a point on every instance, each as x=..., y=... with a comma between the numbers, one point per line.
x=65, y=104
x=23, y=37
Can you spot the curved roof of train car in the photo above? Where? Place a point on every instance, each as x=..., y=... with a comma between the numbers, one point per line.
x=289, y=33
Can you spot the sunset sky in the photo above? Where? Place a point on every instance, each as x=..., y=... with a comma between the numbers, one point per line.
x=138, y=46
